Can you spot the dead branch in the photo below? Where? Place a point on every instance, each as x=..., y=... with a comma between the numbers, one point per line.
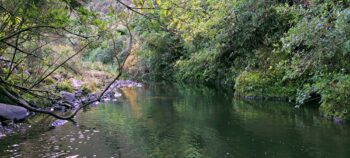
x=57, y=67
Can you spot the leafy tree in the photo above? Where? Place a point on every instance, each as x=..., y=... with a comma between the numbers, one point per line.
x=30, y=30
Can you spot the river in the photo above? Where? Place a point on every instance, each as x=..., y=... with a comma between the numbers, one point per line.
x=186, y=122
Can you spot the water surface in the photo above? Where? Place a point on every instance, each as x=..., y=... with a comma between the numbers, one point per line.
x=185, y=122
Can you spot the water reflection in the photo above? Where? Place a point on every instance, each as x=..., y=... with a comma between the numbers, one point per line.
x=182, y=121
x=131, y=97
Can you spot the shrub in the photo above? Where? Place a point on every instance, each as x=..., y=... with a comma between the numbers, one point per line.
x=65, y=86
x=198, y=68
x=160, y=52
x=249, y=84
x=335, y=98
x=49, y=80
x=89, y=87
x=262, y=84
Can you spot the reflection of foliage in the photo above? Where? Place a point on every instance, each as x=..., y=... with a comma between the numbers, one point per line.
x=160, y=127
x=259, y=109
x=185, y=121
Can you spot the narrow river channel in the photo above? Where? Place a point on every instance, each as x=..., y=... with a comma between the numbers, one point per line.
x=185, y=122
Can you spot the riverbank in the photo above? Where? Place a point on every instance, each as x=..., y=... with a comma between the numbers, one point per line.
x=298, y=50
x=76, y=99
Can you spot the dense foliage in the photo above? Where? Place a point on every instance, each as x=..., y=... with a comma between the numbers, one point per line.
x=53, y=47
x=298, y=50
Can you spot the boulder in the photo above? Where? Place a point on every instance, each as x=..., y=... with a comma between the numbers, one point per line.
x=12, y=112
x=76, y=84
x=69, y=97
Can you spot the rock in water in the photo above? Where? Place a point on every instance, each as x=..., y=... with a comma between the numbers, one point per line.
x=58, y=123
x=117, y=94
x=13, y=112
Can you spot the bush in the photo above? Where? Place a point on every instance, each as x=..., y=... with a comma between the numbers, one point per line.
x=335, y=98
x=298, y=50
x=198, y=68
x=49, y=80
x=89, y=87
x=65, y=86
x=263, y=85
x=160, y=52
x=249, y=84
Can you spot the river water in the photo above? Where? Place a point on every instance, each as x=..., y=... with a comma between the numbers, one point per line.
x=186, y=122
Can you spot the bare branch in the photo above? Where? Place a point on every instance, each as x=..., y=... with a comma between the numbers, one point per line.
x=79, y=35
x=134, y=10
x=23, y=103
x=25, y=30
x=22, y=51
x=65, y=61
x=12, y=60
x=111, y=83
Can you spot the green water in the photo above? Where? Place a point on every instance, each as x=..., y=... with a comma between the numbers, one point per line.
x=183, y=121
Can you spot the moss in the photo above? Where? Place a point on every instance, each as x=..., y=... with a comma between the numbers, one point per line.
x=65, y=86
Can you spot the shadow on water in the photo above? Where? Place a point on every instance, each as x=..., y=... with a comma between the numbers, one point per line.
x=163, y=120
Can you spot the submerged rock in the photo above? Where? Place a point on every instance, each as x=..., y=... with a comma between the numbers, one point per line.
x=126, y=83
x=58, y=123
x=117, y=94
x=2, y=135
x=338, y=120
x=73, y=156
x=12, y=112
